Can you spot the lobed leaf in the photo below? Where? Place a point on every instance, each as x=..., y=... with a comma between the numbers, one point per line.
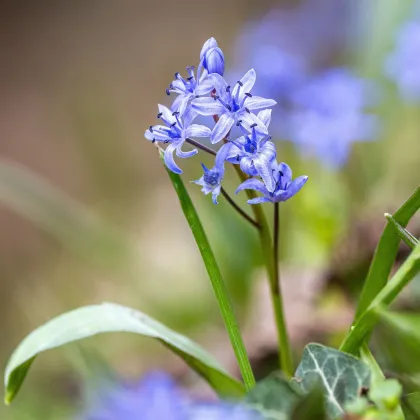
x=88, y=321
x=340, y=375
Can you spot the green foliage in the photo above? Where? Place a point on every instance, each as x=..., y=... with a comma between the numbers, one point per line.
x=91, y=320
x=411, y=406
x=340, y=375
x=275, y=397
x=311, y=407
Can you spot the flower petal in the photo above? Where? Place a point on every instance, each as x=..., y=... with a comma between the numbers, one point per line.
x=245, y=85
x=259, y=200
x=265, y=116
x=185, y=155
x=189, y=116
x=210, y=43
x=247, y=166
x=252, y=184
x=263, y=167
x=207, y=106
x=215, y=194
x=158, y=133
x=195, y=130
x=166, y=114
x=221, y=158
x=248, y=119
x=222, y=128
x=268, y=151
x=294, y=187
x=168, y=157
x=206, y=86
x=257, y=102
x=285, y=169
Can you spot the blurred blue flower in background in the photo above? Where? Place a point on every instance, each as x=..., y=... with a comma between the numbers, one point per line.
x=403, y=64
x=329, y=115
x=156, y=397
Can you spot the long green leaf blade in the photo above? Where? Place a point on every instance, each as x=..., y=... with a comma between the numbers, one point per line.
x=91, y=320
x=385, y=254
x=215, y=276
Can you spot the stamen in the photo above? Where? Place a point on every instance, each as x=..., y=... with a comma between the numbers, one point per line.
x=177, y=113
x=247, y=110
x=248, y=94
x=151, y=128
x=253, y=125
x=154, y=140
x=166, y=141
x=167, y=92
x=173, y=124
x=238, y=123
x=159, y=115
x=238, y=158
x=227, y=88
x=240, y=83
x=190, y=78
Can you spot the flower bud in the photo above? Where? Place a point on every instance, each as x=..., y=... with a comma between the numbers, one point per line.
x=212, y=57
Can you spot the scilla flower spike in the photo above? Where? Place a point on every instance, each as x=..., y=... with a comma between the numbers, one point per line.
x=175, y=133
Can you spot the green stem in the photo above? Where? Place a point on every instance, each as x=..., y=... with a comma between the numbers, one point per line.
x=285, y=358
x=216, y=280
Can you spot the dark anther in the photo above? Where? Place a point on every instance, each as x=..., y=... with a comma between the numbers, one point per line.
x=237, y=158
x=159, y=115
x=151, y=128
x=197, y=96
x=166, y=141
x=190, y=78
x=216, y=97
x=175, y=113
x=176, y=75
x=253, y=125
x=154, y=141
x=240, y=83
x=167, y=92
x=247, y=110
x=229, y=107
x=173, y=124
x=281, y=173
x=227, y=88
x=238, y=123
x=248, y=94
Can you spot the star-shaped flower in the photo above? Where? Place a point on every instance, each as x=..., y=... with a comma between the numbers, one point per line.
x=175, y=133
x=211, y=181
x=285, y=187
x=232, y=105
x=255, y=152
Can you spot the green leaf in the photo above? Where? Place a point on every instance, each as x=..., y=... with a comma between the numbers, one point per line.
x=385, y=254
x=411, y=406
x=274, y=397
x=215, y=276
x=410, y=240
x=341, y=375
x=76, y=227
x=88, y=321
x=312, y=406
x=386, y=394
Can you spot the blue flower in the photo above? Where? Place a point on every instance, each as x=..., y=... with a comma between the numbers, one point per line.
x=285, y=187
x=255, y=153
x=156, y=397
x=176, y=132
x=232, y=105
x=403, y=65
x=212, y=58
x=212, y=179
x=329, y=116
x=211, y=61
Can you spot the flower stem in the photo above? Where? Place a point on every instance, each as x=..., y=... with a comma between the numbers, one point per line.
x=201, y=146
x=216, y=280
x=238, y=209
x=285, y=359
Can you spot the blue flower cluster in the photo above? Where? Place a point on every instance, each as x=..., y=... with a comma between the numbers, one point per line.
x=403, y=64
x=156, y=397
x=233, y=108
x=323, y=111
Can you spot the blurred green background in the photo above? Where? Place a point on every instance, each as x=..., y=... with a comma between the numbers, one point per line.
x=87, y=213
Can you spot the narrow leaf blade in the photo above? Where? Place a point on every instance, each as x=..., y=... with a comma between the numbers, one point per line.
x=341, y=376
x=88, y=321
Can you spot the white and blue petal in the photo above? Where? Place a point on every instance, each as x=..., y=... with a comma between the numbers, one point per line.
x=221, y=86
x=263, y=167
x=205, y=86
x=195, y=130
x=286, y=173
x=247, y=166
x=252, y=184
x=249, y=119
x=168, y=158
x=215, y=194
x=222, y=128
x=221, y=157
x=265, y=117
x=244, y=85
x=259, y=200
x=158, y=133
x=180, y=153
x=208, y=106
x=210, y=43
x=257, y=102
x=268, y=151
x=166, y=114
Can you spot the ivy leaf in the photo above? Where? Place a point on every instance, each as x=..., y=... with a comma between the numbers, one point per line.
x=274, y=397
x=312, y=406
x=88, y=321
x=341, y=376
